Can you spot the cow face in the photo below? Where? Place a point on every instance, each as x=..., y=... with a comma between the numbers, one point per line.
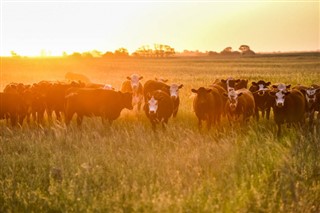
x=174, y=90
x=233, y=99
x=311, y=95
x=134, y=79
x=152, y=106
x=279, y=97
x=261, y=87
x=202, y=95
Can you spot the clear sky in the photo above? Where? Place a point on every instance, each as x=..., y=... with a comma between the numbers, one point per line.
x=27, y=27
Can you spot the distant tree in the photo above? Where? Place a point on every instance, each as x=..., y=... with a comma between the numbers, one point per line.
x=14, y=54
x=160, y=50
x=108, y=54
x=245, y=50
x=96, y=53
x=226, y=51
x=75, y=55
x=212, y=53
x=121, y=52
x=87, y=55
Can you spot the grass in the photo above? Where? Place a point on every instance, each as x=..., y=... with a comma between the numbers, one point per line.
x=129, y=168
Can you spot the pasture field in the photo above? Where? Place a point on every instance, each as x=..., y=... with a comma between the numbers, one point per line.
x=127, y=167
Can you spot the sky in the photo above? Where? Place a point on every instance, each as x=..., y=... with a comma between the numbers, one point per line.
x=53, y=26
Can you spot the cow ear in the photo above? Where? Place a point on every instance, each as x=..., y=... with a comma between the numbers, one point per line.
x=240, y=94
x=287, y=93
x=272, y=93
x=254, y=83
x=317, y=90
x=141, y=77
x=275, y=86
x=194, y=91
x=268, y=83
x=304, y=91
x=288, y=86
x=128, y=78
x=223, y=81
x=181, y=85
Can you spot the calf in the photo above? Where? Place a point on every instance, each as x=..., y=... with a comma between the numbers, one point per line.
x=107, y=104
x=158, y=108
x=133, y=85
x=207, y=106
x=288, y=107
x=240, y=102
x=262, y=99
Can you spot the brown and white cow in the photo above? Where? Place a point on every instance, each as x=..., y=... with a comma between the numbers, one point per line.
x=288, y=107
x=107, y=104
x=207, y=105
x=133, y=85
x=172, y=90
x=158, y=108
x=312, y=100
x=239, y=103
x=262, y=99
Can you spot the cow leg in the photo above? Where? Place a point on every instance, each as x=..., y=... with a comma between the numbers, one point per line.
x=268, y=113
x=256, y=113
x=279, y=129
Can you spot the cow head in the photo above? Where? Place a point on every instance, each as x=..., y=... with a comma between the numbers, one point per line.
x=174, y=90
x=202, y=94
x=281, y=87
x=260, y=87
x=134, y=79
x=279, y=97
x=152, y=106
x=311, y=94
x=233, y=98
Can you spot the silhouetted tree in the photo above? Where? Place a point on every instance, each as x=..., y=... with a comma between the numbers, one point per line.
x=108, y=54
x=245, y=50
x=121, y=52
x=160, y=50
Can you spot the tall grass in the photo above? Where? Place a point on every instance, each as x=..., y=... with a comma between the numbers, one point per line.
x=129, y=168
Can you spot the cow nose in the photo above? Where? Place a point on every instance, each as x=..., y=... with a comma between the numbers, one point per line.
x=279, y=104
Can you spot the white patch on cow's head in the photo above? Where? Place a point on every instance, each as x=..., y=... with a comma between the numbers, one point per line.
x=174, y=90
x=153, y=105
x=280, y=97
x=134, y=79
x=233, y=99
x=262, y=89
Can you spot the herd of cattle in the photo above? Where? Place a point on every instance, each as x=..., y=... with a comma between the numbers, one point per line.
x=229, y=98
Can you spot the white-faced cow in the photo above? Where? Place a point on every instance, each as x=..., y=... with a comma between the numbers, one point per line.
x=311, y=98
x=133, y=85
x=240, y=102
x=208, y=106
x=158, y=108
x=172, y=90
x=262, y=99
x=288, y=107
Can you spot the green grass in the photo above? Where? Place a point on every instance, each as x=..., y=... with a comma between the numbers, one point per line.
x=129, y=168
